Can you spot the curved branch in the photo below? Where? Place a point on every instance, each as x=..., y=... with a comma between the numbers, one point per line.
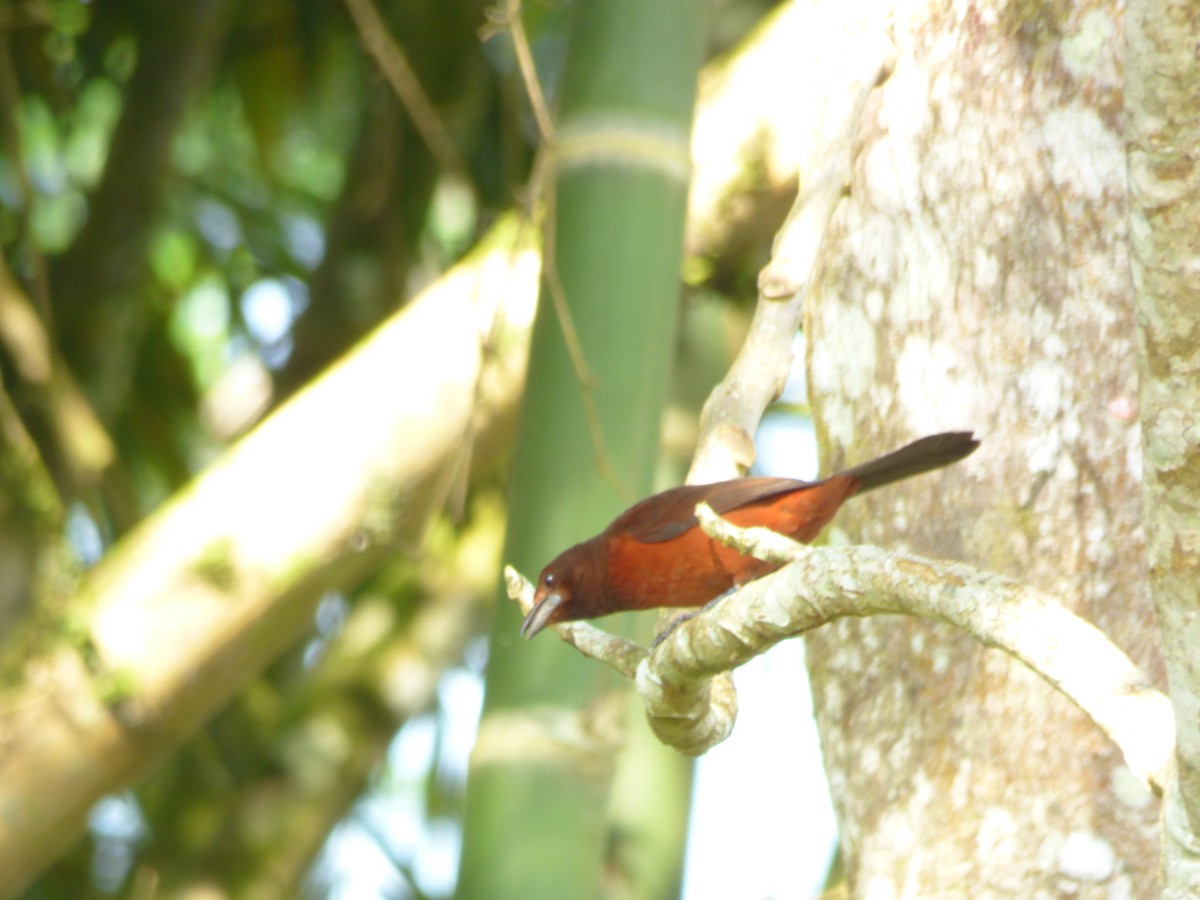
x=691, y=707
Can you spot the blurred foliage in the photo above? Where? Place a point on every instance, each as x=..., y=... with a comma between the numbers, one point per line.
x=207, y=202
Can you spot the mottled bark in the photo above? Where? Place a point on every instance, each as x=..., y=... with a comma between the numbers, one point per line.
x=1163, y=131
x=976, y=277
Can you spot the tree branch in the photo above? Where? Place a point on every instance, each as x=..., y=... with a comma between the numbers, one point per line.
x=693, y=709
x=854, y=53
x=78, y=441
x=212, y=587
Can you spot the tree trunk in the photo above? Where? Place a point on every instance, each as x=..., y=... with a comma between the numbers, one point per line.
x=1162, y=131
x=977, y=277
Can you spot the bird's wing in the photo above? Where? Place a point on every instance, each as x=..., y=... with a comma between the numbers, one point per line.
x=669, y=514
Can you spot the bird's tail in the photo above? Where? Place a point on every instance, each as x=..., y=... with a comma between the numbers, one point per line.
x=928, y=453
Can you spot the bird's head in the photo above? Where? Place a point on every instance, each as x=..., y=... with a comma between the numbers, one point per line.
x=566, y=590
x=551, y=603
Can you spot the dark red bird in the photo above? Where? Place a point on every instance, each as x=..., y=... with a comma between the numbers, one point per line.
x=655, y=554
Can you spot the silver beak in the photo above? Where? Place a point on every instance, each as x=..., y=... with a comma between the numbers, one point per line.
x=539, y=616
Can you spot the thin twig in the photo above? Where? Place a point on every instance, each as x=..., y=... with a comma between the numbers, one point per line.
x=542, y=180
x=587, y=382
x=533, y=87
x=450, y=491
x=394, y=64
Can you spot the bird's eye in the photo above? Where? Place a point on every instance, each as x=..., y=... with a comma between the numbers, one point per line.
x=548, y=579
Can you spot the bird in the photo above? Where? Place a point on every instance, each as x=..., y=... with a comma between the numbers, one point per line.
x=656, y=555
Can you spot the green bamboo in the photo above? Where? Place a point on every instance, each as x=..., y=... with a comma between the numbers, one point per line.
x=539, y=791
